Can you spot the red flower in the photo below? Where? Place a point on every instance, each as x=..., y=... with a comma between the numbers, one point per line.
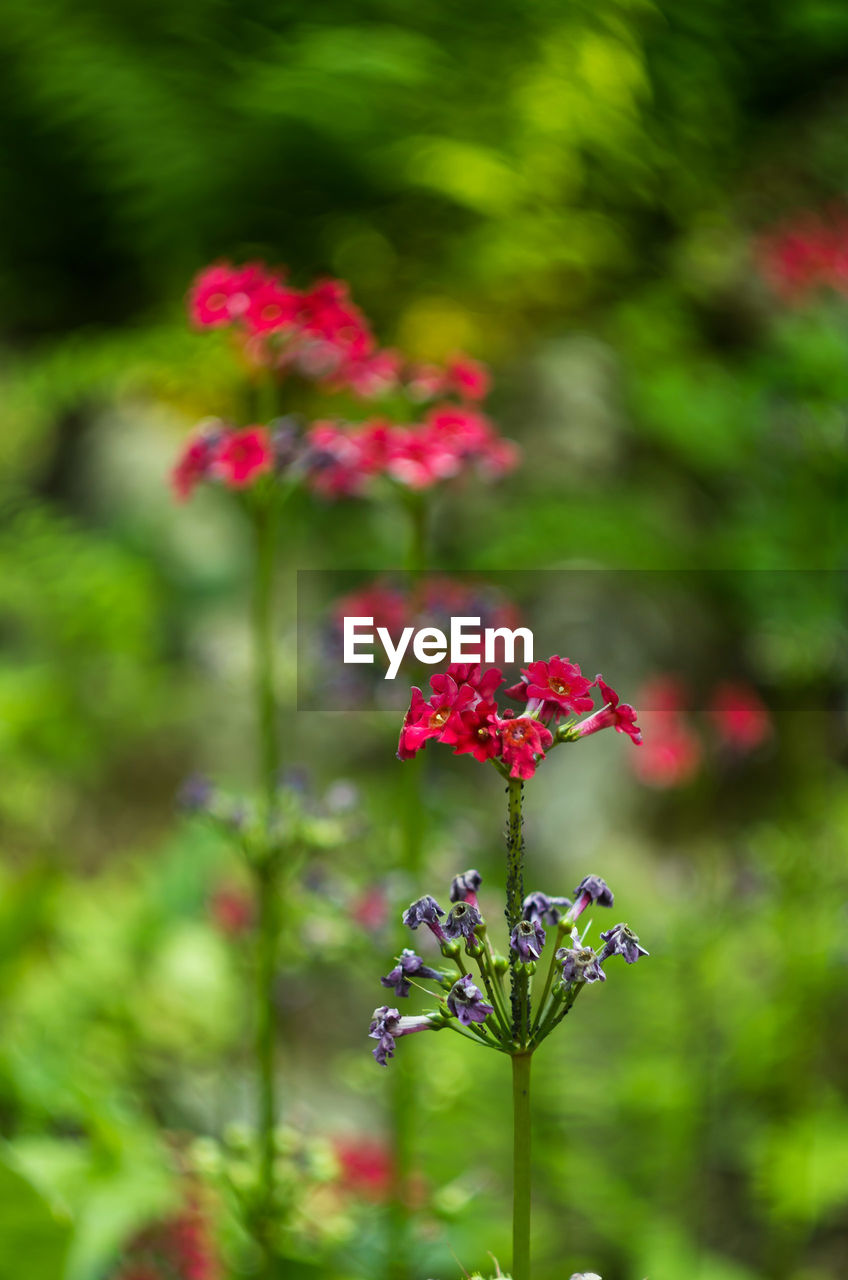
x=271, y=307
x=553, y=688
x=195, y=462
x=366, y=1167
x=221, y=294
x=242, y=456
x=522, y=740
x=468, y=377
x=464, y=431
x=232, y=910
x=433, y=719
x=418, y=459
x=740, y=716
x=671, y=753
x=484, y=683
x=472, y=732
x=613, y=714
x=328, y=316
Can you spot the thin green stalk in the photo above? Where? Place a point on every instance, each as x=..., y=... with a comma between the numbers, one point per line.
x=494, y=993
x=263, y=633
x=514, y=880
x=521, y=1166
x=266, y=872
x=540, y=1008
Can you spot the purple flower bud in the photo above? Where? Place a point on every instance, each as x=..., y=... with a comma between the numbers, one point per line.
x=464, y=887
x=580, y=964
x=620, y=940
x=466, y=1002
x=527, y=939
x=538, y=906
x=285, y=440
x=408, y=965
x=387, y=1026
x=462, y=921
x=196, y=794
x=425, y=911
x=591, y=889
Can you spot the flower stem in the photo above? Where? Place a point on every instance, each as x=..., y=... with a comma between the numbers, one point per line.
x=266, y=870
x=263, y=637
x=521, y=1166
x=556, y=944
x=514, y=881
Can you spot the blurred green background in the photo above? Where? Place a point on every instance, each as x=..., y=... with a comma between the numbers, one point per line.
x=573, y=192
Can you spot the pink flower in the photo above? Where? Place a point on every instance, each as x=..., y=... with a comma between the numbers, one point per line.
x=740, y=716
x=369, y=376
x=221, y=293
x=242, y=456
x=613, y=714
x=272, y=307
x=426, y=382
x=671, y=753
x=366, y=1167
x=328, y=316
x=465, y=431
x=418, y=460
x=521, y=741
x=338, y=462
x=195, y=462
x=553, y=688
x=232, y=910
x=468, y=377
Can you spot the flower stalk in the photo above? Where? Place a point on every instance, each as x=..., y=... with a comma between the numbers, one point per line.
x=463, y=713
x=266, y=868
x=521, y=1165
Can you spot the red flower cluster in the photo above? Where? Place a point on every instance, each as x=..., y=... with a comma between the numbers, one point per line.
x=345, y=461
x=234, y=457
x=674, y=750
x=806, y=253
x=462, y=712
x=366, y=1167
x=319, y=333
x=182, y=1246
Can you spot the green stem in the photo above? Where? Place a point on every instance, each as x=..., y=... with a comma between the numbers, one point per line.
x=557, y=943
x=521, y=1166
x=266, y=883
x=494, y=993
x=514, y=880
x=266, y=871
x=264, y=525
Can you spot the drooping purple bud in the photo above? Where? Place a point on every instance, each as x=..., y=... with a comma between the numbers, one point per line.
x=408, y=965
x=620, y=940
x=464, y=887
x=538, y=906
x=466, y=1002
x=425, y=911
x=527, y=939
x=591, y=889
x=580, y=964
x=462, y=921
x=387, y=1026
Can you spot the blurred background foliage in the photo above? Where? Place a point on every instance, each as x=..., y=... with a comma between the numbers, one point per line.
x=575, y=194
